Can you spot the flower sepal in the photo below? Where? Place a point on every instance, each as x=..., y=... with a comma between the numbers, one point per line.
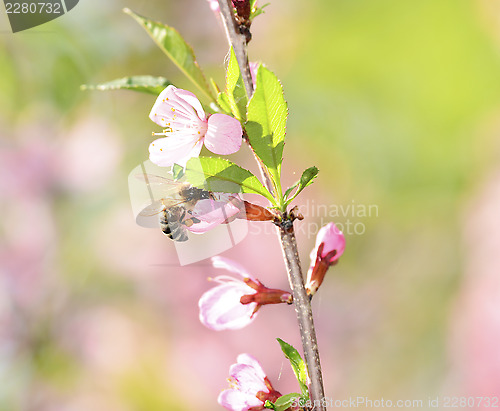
x=264, y=295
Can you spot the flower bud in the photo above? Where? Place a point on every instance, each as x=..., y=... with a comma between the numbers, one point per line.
x=330, y=245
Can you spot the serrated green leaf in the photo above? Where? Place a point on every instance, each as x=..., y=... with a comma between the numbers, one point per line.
x=223, y=102
x=306, y=179
x=298, y=365
x=266, y=122
x=290, y=189
x=286, y=401
x=221, y=175
x=175, y=47
x=235, y=89
x=145, y=84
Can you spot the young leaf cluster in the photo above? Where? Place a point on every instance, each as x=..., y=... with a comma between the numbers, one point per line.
x=262, y=115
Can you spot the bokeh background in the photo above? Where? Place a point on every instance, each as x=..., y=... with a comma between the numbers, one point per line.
x=396, y=102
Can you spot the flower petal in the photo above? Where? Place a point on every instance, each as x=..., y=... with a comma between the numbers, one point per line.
x=230, y=265
x=251, y=361
x=212, y=213
x=221, y=309
x=178, y=148
x=333, y=239
x=224, y=134
x=178, y=109
x=193, y=101
x=236, y=400
x=250, y=380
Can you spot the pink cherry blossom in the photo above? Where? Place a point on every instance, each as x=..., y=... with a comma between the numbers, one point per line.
x=187, y=128
x=213, y=212
x=233, y=303
x=330, y=245
x=250, y=387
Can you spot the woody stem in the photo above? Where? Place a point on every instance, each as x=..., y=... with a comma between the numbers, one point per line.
x=304, y=313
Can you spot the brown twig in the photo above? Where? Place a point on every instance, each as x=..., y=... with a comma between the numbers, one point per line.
x=304, y=313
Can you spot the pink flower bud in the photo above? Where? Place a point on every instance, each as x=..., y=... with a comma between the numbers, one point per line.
x=330, y=245
x=250, y=387
x=333, y=240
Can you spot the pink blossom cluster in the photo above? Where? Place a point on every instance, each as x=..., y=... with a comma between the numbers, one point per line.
x=234, y=302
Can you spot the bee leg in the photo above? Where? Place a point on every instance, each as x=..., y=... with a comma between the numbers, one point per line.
x=190, y=221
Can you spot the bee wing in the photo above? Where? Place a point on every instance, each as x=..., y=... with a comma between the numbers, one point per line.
x=153, y=179
x=165, y=185
x=153, y=209
x=170, y=204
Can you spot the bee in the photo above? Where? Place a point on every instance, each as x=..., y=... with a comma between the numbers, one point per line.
x=175, y=209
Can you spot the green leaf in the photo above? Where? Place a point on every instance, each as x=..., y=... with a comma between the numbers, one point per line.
x=286, y=401
x=177, y=171
x=175, y=47
x=223, y=102
x=235, y=89
x=221, y=175
x=266, y=122
x=298, y=365
x=269, y=405
x=306, y=179
x=215, y=87
x=145, y=84
x=256, y=10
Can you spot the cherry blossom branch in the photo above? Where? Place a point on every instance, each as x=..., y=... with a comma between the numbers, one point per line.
x=286, y=231
x=238, y=41
x=304, y=312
